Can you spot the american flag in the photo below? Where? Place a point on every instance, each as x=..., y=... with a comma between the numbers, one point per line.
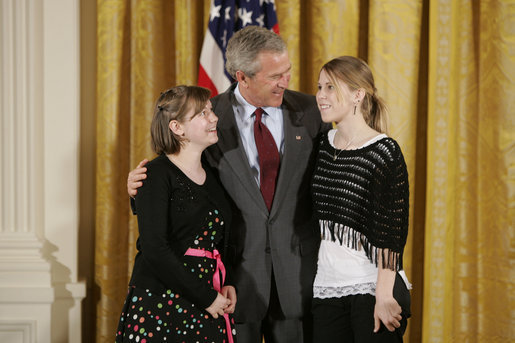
x=225, y=18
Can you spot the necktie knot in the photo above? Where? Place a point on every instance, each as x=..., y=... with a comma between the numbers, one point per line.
x=259, y=113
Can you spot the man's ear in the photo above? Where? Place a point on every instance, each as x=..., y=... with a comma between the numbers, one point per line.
x=242, y=78
x=176, y=127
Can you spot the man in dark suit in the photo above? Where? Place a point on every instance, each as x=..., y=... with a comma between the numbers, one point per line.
x=274, y=238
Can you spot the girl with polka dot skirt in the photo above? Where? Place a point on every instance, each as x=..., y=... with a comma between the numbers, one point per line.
x=178, y=291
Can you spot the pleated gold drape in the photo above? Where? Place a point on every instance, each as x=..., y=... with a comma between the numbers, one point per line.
x=469, y=238
x=447, y=72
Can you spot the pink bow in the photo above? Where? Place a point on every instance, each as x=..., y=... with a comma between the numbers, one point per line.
x=217, y=285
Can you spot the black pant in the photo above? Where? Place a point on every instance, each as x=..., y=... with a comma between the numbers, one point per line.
x=351, y=319
x=275, y=328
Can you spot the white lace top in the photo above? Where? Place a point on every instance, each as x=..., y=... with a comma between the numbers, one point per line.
x=344, y=271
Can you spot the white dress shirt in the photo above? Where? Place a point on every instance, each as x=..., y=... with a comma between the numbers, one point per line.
x=244, y=115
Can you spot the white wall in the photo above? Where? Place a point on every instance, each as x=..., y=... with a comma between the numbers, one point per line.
x=40, y=292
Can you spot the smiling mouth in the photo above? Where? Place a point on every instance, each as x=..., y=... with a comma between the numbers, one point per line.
x=324, y=107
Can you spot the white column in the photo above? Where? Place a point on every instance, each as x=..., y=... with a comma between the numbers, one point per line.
x=40, y=296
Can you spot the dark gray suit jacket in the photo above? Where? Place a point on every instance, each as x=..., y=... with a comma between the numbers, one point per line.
x=287, y=238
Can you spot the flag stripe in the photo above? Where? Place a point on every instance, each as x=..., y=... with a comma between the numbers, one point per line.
x=205, y=81
x=212, y=61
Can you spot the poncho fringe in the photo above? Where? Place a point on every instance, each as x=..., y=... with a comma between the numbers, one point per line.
x=356, y=240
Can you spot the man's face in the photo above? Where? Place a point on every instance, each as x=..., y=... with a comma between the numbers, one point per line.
x=266, y=88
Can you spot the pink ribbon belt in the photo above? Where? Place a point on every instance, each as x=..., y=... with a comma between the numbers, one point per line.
x=217, y=284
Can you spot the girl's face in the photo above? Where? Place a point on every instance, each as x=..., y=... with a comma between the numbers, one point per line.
x=200, y=128
x=331, y=108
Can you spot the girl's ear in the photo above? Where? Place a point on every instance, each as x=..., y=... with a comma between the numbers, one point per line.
x=360, y=94
x=176, y=127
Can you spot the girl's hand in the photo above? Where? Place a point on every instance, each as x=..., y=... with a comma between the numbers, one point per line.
x=218, y=306
x=387, y=311
x=230, y=293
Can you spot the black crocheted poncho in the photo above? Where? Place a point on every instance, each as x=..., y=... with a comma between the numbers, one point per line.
x=361, y=198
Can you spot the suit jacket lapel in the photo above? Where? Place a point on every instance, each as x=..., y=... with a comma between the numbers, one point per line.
x=293, y=134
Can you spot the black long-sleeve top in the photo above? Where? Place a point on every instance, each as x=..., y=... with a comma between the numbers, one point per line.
x=171, y=210
x=361, y=198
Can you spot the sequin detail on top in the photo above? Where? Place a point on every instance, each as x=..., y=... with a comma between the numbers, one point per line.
x=169, y=317
x=183, y=194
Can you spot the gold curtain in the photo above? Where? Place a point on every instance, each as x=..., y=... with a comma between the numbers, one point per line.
x=446, y=70
x=468, y=269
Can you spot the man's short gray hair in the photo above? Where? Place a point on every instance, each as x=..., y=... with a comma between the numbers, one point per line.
x=245, y=45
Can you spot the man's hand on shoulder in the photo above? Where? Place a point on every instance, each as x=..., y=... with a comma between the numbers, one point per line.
x=135, y=177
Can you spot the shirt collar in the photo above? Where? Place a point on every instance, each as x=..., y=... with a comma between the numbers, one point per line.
x=248, y=109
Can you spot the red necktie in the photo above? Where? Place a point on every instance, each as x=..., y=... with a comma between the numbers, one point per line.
x=268, y=158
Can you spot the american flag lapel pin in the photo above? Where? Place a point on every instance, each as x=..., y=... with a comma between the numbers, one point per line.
x=298, y=138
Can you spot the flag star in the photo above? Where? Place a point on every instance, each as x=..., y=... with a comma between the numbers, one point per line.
x=261, y=20
x=246, y=17
x=214, y=12
x=227, y=13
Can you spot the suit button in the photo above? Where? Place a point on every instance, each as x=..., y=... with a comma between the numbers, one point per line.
x=267, y=250
x=271, y=222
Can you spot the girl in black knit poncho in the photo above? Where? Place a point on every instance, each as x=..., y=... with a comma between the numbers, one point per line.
x=361, y=199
